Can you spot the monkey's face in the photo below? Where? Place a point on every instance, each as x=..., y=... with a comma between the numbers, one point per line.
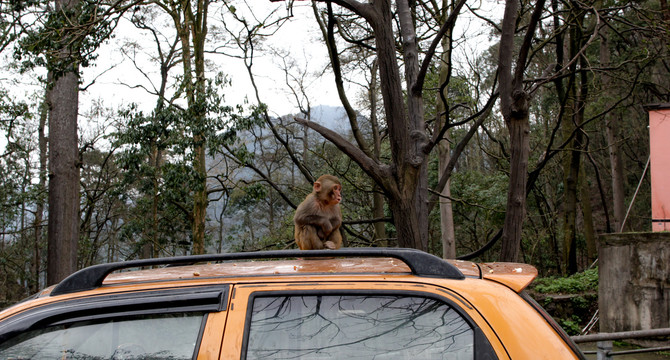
x=328, y=190
x=335, y=194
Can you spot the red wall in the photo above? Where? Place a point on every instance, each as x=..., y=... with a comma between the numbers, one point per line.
x=659, y=148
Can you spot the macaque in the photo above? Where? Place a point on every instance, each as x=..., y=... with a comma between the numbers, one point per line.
x=318, y=218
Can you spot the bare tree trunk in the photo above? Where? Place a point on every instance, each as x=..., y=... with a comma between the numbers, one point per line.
x=416, y=115
x=571, y=166
x=63, y=164
x=446, y=210
x=192, y=26
x=589, y=229
x=514, y=104
x=39, y=207
x=611, y=128
x=200, y=201
x=448, y=236
x=570, y=211
x=377, y=197
x=407, y=183
x=404, y=180
x=405, y=218
x=519, y=130
x=150, y=246
x=577, y=94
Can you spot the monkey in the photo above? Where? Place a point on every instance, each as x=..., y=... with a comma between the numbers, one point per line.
x=318, y=218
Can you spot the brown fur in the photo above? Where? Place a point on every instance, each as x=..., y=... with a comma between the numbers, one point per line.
x=318, y=218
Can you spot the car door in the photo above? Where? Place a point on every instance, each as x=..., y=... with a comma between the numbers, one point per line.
x=179, y=323
x=355, y=320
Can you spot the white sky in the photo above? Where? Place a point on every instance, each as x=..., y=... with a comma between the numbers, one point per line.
x=295, y=36
x=300, y=37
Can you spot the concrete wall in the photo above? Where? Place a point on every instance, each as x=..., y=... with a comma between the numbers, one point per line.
x=634, y=281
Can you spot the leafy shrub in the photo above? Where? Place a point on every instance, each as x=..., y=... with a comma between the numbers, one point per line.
x=586, y=281
x=571, y=326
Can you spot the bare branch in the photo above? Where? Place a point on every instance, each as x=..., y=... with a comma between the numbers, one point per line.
x=375, y=170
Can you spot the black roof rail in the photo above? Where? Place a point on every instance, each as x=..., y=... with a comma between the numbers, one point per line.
x=419, y=262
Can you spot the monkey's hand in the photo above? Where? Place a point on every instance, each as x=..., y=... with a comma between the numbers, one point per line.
x=330, y=245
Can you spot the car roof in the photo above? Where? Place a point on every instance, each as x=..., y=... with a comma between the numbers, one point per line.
x=304, y=266
x=284, y=264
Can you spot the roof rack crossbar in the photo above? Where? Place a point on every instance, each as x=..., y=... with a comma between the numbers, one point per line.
x=419, y=262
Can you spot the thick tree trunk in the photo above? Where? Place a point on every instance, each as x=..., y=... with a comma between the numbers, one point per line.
x=416, y=118
x=391, y=89
x=519, y=130
x=514, y=104
x=405, y=218
x=405, y=179
x=63, y=231
x=410, y=176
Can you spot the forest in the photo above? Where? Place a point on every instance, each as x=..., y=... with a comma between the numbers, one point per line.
x=479, y=130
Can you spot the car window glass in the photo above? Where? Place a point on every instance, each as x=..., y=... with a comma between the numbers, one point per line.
x=357, y=327
x=171, y=336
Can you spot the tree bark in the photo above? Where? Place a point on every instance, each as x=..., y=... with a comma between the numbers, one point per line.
x=200, y=199
x=612, y=131
x=587, y=213
x=448, y=236
x=377, y=197
x=405, y=218
x=514, y=104
x=192, y=30
x=570, y=210
x=402, y=124
x=404, y=180
x=519, y=130
x=577, y=94
x=42, y=185
x=63, y=231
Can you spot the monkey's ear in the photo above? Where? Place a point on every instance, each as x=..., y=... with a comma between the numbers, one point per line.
x=317, y=186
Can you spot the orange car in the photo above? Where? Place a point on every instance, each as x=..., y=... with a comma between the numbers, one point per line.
x=378, y=303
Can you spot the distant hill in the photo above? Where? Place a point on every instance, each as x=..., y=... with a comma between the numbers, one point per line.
x=332, y=117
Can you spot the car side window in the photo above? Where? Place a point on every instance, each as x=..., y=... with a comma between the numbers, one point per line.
x=357, y=327
x=164, y=336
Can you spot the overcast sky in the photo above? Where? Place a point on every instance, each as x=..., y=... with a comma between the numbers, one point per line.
x=112, y=70
x=113, y=73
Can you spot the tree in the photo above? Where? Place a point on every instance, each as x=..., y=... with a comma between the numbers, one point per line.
x=514, y=104
x=62, y=36
x=404, y=180
x=155, y=136
x=327, y=26
x=63, y=102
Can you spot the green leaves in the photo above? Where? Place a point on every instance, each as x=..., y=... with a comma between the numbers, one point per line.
x=578, y=283
x=63, y=39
